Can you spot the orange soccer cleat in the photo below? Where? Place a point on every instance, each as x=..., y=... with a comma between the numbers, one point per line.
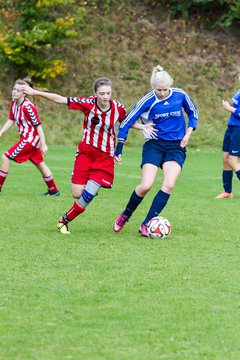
x=225, y=195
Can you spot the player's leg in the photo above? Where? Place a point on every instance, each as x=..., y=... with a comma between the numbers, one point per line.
x=149, y=173
x=77, y=190
x=151, y=160
x=4, y=170
x=48, y=179
x=92, y=170
x=227, y=172
x=16, y=153
x=172, y=162
x=80, y=176
x=171, y=171
x=234, y=163
x=86, y=195
x=227, y=175
x=234, y=151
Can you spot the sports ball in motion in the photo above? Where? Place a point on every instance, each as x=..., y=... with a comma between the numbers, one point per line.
x=159, y=227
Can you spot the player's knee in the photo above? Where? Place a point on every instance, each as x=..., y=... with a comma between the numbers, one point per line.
x=226, y=161
x=143, y=189
x=168, y=186
x=233, y=162
x=76, y=193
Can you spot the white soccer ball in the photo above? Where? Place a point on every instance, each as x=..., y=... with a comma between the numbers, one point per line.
x=159, y=227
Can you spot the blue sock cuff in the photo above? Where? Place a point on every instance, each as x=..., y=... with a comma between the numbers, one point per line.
x=139, y=198
x=163, y=195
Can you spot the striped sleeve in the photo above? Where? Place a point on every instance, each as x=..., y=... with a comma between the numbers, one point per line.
x=81, y=103
x=31, y=114
x=191, y=111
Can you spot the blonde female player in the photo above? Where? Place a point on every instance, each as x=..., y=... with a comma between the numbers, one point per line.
x=164, y=148
x=32, y=145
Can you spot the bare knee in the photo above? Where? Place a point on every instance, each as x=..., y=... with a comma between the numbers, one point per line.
x=143, y=189
x=76, y=194
x=168, y=186
x=233, y=162
x=226, y=161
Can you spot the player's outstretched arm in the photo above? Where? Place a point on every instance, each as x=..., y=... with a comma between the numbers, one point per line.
x=28, y=90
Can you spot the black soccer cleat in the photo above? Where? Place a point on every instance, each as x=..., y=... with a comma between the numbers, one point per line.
x=51, y=193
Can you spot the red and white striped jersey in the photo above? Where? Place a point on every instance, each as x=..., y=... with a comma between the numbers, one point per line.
x=99, y=126
x=26, y=118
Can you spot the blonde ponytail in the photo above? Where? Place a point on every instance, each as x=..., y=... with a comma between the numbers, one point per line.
x=160, y=75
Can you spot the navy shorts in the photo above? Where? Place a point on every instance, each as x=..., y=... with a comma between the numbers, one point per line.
x=159, y=151
x=231, y=141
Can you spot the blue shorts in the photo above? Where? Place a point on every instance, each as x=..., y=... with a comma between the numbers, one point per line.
x=157, y=152
x=231, y=141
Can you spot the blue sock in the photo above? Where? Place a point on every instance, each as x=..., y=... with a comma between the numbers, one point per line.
x=238, y=174
x=227, y=180
x=158, y=204
x=133, y=203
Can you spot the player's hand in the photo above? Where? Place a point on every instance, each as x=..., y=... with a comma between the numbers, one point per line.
x=118, y=160
x=44, y=149
x=226, y=105
x=28, y=90
x=149, y=130
x=184, y=141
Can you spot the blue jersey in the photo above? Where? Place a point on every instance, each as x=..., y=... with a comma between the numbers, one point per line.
x=235, y=117
x=166, y=115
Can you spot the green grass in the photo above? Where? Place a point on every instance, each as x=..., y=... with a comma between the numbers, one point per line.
x=99, y=295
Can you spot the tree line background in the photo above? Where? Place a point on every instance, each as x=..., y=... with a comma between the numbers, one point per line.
x=63, y=45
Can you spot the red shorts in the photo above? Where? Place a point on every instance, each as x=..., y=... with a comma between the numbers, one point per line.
x=93, y=164
x=23, y=151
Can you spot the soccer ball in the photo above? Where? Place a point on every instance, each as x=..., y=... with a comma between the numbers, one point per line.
x=159, y=227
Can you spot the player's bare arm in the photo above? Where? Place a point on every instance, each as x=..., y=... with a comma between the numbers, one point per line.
x=8, y=125
x=28, y=90
x=44, y=147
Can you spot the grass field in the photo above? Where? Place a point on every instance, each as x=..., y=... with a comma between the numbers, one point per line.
x=99, y=295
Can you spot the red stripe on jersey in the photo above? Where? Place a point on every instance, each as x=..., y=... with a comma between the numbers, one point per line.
x=26, y=118
x=99, y=126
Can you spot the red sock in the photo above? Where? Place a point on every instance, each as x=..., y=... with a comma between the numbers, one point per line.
x=50, y=183
x=75, y=210
x=3, y=176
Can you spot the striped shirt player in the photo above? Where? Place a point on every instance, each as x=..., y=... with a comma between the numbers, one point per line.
x=94, y=162
x=31, y=144
x=26, y=118
x=162, y=114
x=99, y=126
x=231, y=146
x=95, y=152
